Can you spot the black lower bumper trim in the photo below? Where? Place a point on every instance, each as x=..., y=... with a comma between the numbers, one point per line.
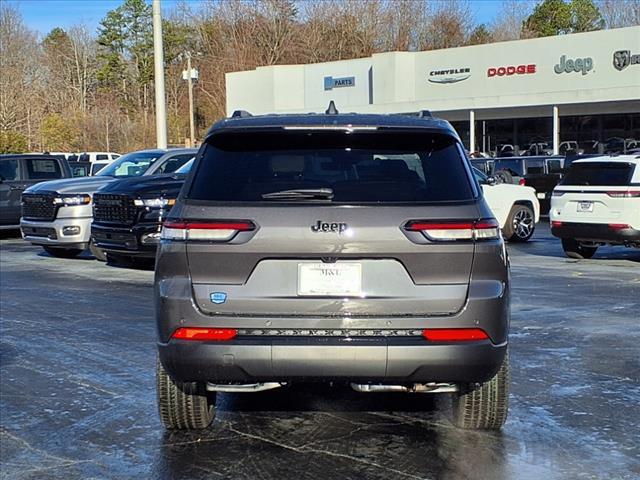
x=596, y=232
x=331, y=359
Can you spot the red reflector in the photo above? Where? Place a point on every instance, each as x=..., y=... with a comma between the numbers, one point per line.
x=522, y=181
x=556, y=224
x=192, y=333
x=454, y=334
x=618, y=226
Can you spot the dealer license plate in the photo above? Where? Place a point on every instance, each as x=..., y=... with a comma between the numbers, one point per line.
x=330, y=279
x=585, y=206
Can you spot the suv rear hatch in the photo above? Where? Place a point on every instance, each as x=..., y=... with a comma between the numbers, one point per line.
x=304, y=222
x=595, y=192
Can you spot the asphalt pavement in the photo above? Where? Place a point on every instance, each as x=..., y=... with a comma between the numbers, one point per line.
x=77, y=387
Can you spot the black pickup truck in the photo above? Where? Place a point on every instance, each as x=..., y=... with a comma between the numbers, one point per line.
x=20, y=171
x=128, y=215
x=542, y=173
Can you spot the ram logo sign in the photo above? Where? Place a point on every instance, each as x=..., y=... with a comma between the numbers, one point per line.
x=330, y=82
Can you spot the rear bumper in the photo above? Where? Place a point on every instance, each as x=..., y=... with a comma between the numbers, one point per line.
x=51, y=233
x=249, y=360
x=596, y=232
x=131, y=241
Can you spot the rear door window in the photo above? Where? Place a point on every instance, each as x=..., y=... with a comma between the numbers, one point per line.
x=42, y=168
x=599, y=174
x=9, y=170
x=371, y=167
x=554, y=166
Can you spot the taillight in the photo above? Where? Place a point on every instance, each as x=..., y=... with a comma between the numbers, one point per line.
x=625, y=194
x=454, y=334
x=557, y=193
x=442, y=231
x=618, y=226
x=204, y=334
x=216, y=231
x=555, y=223
x=522, y=182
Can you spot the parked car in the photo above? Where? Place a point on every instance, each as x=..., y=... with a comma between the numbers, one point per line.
x=537, y=148
x=620, y=145
x=337, y=248
x=20, y=171
x=128, y=214
x=98, y=157
x=57, y=215
x=569, y=148
x=515, y=207
x=597, y=203
x=542, y=173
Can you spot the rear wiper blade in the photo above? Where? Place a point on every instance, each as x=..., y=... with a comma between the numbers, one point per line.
x=300, y=194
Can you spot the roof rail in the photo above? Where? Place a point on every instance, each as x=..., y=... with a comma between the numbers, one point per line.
x=425, y=114
x=331, y=110
x=240, y=114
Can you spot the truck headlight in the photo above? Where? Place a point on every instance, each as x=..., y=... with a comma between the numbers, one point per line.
x=70, y=200
x=154, y=202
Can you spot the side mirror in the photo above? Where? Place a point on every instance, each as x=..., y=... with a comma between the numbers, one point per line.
x=492, y=181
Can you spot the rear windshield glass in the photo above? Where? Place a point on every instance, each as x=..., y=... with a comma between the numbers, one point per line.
x=599, y=174
x=354, y=167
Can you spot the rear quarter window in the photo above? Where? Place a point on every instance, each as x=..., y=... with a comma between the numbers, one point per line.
x=599, y=174
x=380, y=167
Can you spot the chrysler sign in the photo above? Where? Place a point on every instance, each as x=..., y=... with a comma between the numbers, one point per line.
x=330, y=82
x=449, y=75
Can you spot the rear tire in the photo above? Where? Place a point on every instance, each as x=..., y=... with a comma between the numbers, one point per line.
x=484, y=407
x=520, y=224
x=100, y=255
x=63, y=252
x=183, y=405
x=574, y=249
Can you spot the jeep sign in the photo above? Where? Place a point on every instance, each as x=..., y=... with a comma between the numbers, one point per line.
x=583, y=65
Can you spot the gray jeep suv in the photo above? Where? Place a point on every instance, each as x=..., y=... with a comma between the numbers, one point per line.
x=337, y=248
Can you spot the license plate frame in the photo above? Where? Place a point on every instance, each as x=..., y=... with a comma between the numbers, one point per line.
x=585, y=207
x=343, y=279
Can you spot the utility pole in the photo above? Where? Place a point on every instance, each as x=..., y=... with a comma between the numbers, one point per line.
x=192, y=134
x=158, y=61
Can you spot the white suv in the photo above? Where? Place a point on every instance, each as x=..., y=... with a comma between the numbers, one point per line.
x=597, y=203
x=515, y=207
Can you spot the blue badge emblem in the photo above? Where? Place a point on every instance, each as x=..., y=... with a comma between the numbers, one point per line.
x=218, y=297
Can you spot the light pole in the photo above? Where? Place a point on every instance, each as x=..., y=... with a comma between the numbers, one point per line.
x=190, y=74
x=158, y=62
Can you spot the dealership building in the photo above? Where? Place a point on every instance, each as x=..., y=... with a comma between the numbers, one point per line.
x=582, y=87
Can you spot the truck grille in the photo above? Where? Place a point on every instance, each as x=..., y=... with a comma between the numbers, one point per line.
x=38, y=206
x=114, y=209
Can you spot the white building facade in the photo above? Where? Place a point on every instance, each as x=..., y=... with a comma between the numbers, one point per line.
x=580, y=87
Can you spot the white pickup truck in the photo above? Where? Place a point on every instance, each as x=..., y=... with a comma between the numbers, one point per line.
x=516, y=207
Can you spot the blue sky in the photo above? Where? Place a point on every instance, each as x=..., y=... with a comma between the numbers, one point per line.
x=44, y=15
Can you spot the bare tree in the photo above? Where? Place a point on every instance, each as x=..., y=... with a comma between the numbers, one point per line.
x=510, y=21
x=620, y=13
x=449, y=24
